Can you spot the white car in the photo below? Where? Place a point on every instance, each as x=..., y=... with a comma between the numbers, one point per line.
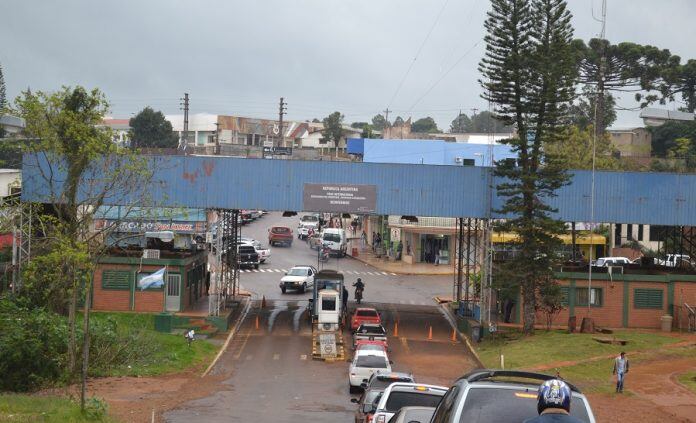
x=364, y=364
x=298, y=278
x=611, y=261
x=401, y=394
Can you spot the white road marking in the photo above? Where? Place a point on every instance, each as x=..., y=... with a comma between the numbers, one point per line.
x=393, y=274
x=276, y=356
x=284, y=271
x=277, y=270
x=303, y=357
x=413, y=302
x=385, y=273
x=249, y=357
x=262, y=270
x=255, y=270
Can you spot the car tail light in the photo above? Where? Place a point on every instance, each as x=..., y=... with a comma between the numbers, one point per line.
x=369, y=417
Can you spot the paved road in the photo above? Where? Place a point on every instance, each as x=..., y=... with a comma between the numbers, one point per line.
x=381, y=286
x=272, y=377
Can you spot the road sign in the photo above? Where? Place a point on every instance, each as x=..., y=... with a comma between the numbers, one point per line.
x=340, y=198
x=327, y=344
x=277, y=151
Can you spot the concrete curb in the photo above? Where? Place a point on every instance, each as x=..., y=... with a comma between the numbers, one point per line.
x=233, y=332
x=398, y=272
x=451, y=319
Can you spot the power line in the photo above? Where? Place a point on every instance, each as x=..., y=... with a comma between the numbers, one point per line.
x=432, y=27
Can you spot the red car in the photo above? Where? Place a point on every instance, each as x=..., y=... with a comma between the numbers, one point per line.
x=364, y=315
x=280, y=235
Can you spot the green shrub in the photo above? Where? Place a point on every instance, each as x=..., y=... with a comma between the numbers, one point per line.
x=33, y=347
x=95, y=408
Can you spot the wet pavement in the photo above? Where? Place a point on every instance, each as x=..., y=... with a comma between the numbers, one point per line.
x=271, y=377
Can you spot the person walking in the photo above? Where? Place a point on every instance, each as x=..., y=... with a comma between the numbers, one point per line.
x=620, y=369
x=363, y=240
x=345, y=300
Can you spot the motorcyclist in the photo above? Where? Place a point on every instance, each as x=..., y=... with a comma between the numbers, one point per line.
x=359, y=288
x=553, y=403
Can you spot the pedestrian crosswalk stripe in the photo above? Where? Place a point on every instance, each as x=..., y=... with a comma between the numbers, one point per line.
x=255, y=270
x=262, y=270
x=393, y=274
x=284, y=271
x=385, y=273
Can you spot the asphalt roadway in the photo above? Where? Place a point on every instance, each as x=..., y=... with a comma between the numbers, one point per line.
x=271, y=376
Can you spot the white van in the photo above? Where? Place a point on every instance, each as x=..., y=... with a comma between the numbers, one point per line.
x=336, y=240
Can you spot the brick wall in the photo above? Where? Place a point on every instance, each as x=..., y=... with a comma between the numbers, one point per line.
x=646, y=317
x=684, y=292
x=109, y=299
x=149, y=300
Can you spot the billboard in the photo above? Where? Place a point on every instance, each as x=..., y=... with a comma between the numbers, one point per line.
x=343, y=198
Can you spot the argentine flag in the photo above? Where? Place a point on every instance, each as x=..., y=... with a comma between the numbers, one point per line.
x=154, y=280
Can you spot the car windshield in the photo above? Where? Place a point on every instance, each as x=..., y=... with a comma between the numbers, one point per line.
x=332, y=237
x=371, y=361
x=297, y=272
x=310, y=219
x=367, y=313
x=372, y=347
x=371, y=330
x=399, y=399
x=280, y=230
x=246, y=249
x=600, y=262
x=507, y=405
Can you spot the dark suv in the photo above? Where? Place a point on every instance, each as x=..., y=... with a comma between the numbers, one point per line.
x=247, y=256
x=491, y=396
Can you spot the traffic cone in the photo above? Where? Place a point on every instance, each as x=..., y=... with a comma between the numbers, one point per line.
x=430, y=334
x=454, y=336
x=257, y=322
x=396, y=328
x=263, y=302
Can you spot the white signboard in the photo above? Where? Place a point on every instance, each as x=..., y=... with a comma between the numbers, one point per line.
x=395, y=234
x=327, y=343
x=268, y=143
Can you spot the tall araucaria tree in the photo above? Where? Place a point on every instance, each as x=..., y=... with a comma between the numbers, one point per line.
x=529, y=70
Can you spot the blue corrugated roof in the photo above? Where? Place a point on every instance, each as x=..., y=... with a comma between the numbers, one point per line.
x=402, y=189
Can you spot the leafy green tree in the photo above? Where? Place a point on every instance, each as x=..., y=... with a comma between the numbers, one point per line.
x=528, y=73
x=379, y=122
x=333, y=129
x=315, y=120
x=460, y=124
x=150, y=129
x=582, y=112
x=367, y=132
x=75, y=146
x=486, y=122
x=574, y=150
x=425, y=125
x=664, y=136
x=359, y=125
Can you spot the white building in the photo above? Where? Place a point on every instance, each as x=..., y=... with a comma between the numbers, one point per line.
x=12, y=125
x=10, y=182
x=201, y=127
x=120, y=129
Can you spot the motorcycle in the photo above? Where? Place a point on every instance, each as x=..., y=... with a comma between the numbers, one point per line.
x=358, y=295
x=324, y=255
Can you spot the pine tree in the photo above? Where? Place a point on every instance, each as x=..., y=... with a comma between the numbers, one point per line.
x=529, y=72
x=3, y=98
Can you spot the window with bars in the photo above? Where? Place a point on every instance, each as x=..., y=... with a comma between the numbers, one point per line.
x=647, y=298
x=582, y=297
x=565, y=291
x=116, y=279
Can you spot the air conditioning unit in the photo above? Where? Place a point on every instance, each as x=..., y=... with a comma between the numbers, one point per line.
x=615, y=270
x=151, y=254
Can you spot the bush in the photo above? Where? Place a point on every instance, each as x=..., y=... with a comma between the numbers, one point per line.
x=95, y=408
x=33, y=347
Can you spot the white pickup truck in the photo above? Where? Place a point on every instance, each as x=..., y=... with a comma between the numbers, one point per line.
x=675, y=260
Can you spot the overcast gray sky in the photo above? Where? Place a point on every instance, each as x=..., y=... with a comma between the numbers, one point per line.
x=239, y=57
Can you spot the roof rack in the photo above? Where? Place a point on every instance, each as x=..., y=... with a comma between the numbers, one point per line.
x=483, y=374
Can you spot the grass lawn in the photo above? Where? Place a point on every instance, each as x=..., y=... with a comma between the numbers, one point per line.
x=557, y=346
x=688, y=379
x=553, y=346
x=167, y=353
x=29, y=408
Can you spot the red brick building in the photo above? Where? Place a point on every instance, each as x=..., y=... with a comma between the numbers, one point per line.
x=116, y=283
x=624, y=301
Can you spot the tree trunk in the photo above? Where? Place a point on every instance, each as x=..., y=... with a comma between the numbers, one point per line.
x=72, y=308
x=85, y=342
x=600, y=103
x=529, y=309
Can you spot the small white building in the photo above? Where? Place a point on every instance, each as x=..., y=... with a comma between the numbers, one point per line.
x=201, y=128
x=10, y=182
x=120, y=129
x=12, y=125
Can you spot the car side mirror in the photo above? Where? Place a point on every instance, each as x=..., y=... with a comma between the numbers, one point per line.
x=354, y=400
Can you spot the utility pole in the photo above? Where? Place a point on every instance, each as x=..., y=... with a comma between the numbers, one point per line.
x=281, y=112
x=217, y=138
x=185, y=105
x=386, y=116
